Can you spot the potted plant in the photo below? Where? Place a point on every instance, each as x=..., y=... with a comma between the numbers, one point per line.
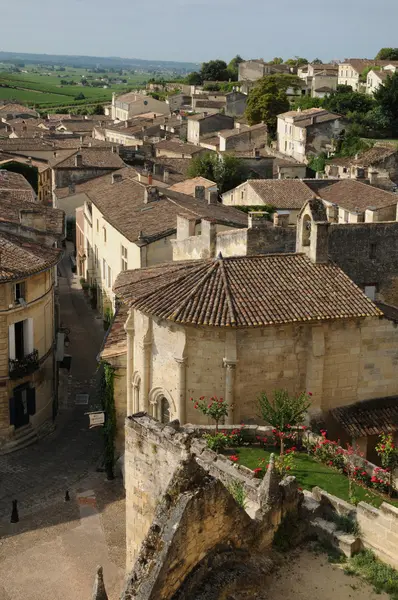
x=107, y=318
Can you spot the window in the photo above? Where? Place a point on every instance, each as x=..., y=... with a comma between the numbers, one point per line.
x=164, y=410
x=103, y=269
x=19, y=292
x=109, y=277
x=344, y=169
x=124, y=258
x=372, y=251
x=104, y=232
x=20, y=339
x=346, y=216
x=97, y=226
x=241, y=195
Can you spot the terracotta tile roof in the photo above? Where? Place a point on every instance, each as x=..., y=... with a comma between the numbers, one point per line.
x=93, y=158
x=227, y=133
x=245, y=291
x=376, y=154
x=16, y=109
x=188, y=186
x=213, y=140
x=383, y=75
x=304, y=118
x=14, y=185
x=355, y=195
x=369, y=417
x=21, y=257
x=178, y=166
x=282, y=193
x=359, y=64
x=122, y=205
x=11, y=206
x=115, y=342
x=177, y=146
x=95, y=183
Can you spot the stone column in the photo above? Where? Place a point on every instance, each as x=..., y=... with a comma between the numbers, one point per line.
x=146, y=349
x=181, y=390
x=129, y=329
x=230, y=389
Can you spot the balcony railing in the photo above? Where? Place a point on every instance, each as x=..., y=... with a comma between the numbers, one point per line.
x=20, y=367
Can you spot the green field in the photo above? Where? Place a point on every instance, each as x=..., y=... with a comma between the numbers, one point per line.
x=42, y=88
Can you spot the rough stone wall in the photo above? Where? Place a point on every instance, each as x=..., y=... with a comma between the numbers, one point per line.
x=321, y=134
x=379, y=530
x=236, y=104
x=245, y=140
x=64, y=177
x=179, y=511
x=252, y=70
x=368, y=253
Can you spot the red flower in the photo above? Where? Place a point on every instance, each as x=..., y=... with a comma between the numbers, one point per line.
x=300, y=489
x=234, y=458
x=310, y=393
x=288, y=426
x=288, y=468
x=209, y=405
x=373, y=479
x=196, y=405
x=202, y=398
x=304, y=427
x=257, y=470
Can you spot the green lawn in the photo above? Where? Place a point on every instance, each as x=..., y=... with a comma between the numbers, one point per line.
x=310, y=473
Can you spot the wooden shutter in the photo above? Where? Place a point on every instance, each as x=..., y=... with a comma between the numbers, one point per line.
x=31, y=394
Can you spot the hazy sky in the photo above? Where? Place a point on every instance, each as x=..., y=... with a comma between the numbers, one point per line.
x=198, y=30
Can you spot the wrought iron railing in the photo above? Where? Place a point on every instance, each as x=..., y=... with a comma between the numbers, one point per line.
x=19, y=367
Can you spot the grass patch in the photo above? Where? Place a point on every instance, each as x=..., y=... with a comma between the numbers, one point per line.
x=383, y=577
x=310, y=473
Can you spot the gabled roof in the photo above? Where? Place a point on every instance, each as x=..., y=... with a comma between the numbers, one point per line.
x=310, y=116
x=15, y=186
x=367, y=158
x=281, y=193
x=21, y=257
x=188, y=186
x=177, y=146
x=102, y=158
x=353, y=195
x=247, y=291
x=123, y=205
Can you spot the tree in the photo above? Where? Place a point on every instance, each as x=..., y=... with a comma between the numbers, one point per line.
x=297, y=61
x=278, y=60
x=348, y=102
x=284, y=411
x=233, y=67
x=269, y=99
x=194, y=78
x=387, y=54
x=80, y=96
x=227, y=171
x=386, y=96
x=214, y=70
x=317, y=61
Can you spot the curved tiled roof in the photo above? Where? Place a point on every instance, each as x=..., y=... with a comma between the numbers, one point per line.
x=20, y=257
x=247, y=291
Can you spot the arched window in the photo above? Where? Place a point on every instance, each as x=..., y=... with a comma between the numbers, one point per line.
x=164, y=410
x=306, y=231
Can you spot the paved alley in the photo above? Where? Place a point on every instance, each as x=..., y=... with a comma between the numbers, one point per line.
x=56, y=545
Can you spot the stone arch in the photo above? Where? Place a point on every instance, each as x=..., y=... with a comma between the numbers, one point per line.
x=136, y=384
x=306, y=230
x=158, y=397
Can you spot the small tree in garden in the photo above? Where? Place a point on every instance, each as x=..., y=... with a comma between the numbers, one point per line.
x=388, y=453
x=350, y=468
x=284, y=411
x=215, y=408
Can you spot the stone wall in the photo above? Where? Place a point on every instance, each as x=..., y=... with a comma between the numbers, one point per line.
x=179, y=512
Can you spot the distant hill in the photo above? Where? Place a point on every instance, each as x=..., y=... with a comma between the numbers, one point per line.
x=97, y=61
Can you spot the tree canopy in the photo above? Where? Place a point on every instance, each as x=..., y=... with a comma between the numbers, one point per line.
x=233, y=67
x=194, y=78
x=297, y=61
x=214, y=70
x=386, y=97
x=268, y=99
x=227, y=171
x=317, y=61
x=348, y=102
x=387, y=54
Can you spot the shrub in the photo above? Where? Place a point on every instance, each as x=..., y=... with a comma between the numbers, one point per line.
x=328, y=452
x=388, y=453
x=383, y=577
x=215, y=408
x=217, y=442
x=237, y=490
x=236, y=437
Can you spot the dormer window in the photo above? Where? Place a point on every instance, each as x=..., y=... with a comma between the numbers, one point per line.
x=19, y=292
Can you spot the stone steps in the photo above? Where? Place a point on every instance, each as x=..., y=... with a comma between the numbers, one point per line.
x=23, y=437
x=327, y=531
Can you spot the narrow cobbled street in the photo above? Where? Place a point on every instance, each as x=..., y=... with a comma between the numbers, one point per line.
x=53, y=551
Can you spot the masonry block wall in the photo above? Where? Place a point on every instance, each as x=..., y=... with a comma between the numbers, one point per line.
x=379, y=530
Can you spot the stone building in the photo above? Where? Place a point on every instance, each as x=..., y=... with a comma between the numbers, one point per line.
x=284, y=195
x=240, y=326
x=176, y=149
x=378, y=164
x=202, y=124
x=243, y=139
x=351, y=70
x=127, y=105
x=28, y=322
x=302, y=133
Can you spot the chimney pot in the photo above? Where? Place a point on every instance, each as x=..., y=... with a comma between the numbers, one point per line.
x=116, y=177
x=200, y=192
x=151, y=194
x=150, y=178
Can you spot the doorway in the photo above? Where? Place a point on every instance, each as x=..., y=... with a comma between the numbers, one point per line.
x=22, y=405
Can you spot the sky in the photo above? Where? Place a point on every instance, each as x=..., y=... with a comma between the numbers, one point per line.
x=200, y=30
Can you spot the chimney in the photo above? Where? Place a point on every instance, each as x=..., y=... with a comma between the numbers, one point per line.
x=78, y=160
x=281, y=219
x=166, y=174
x=116, y=177
x=256, y=219
x=151, y=194
x=372, y=177
x=81, y=139
x=200, y=192
x=212, y=197
x=55, y=154
x=150, y=178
